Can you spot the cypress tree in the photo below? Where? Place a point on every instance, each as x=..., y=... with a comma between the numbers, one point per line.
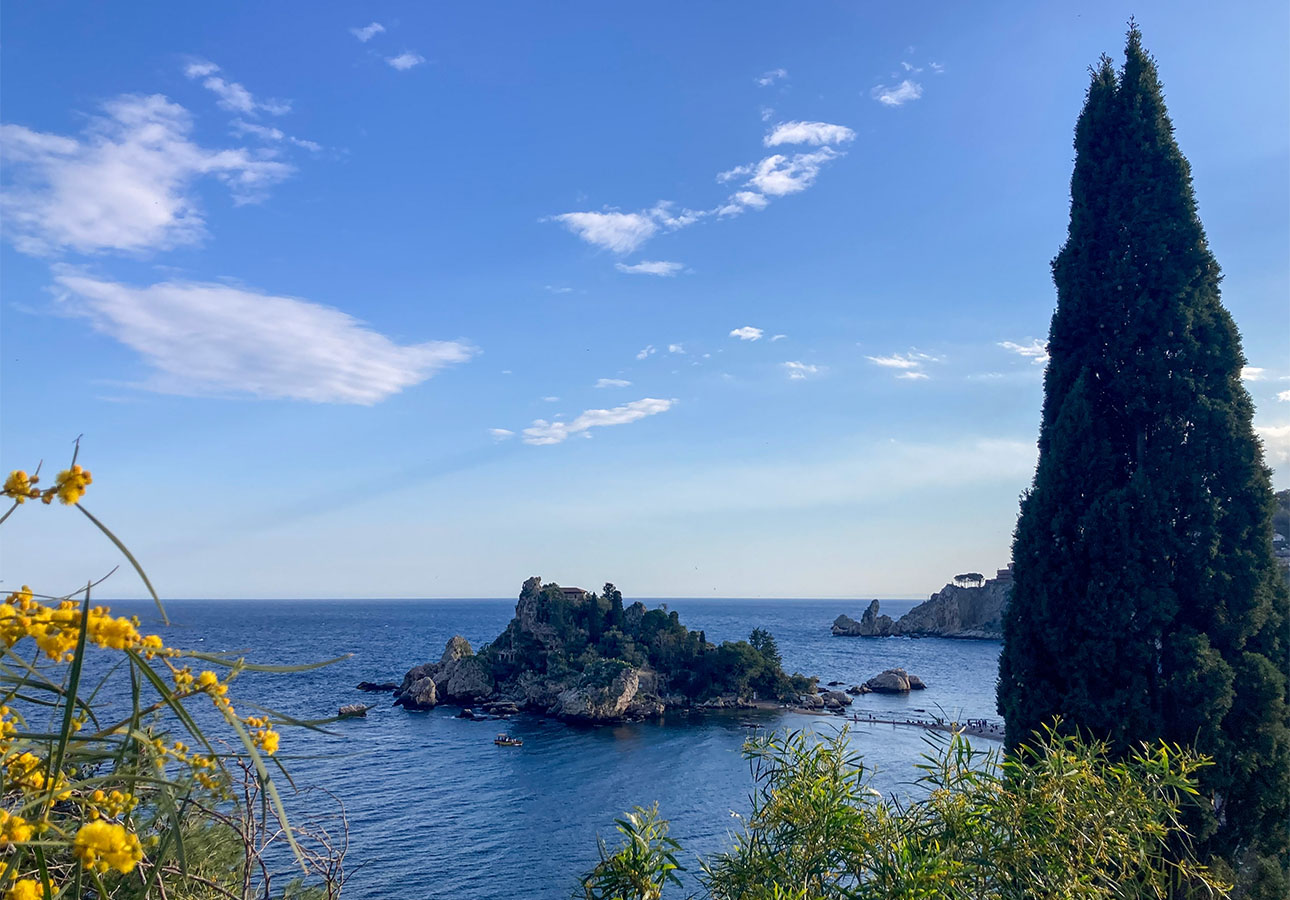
x=1147, y=603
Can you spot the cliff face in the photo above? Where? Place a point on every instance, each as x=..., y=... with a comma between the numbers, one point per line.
x=953, y=611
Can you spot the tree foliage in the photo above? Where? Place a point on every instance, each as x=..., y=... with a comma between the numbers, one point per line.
x=1063, y=819
x=1147, y=603
x=579, y=631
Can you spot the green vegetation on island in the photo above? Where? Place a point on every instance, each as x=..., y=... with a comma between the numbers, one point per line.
x=584, y=655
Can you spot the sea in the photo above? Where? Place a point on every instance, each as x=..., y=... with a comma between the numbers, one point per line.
x=436, y=810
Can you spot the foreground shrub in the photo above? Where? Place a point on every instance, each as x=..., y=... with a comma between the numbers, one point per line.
x=109, y=786
x=1061, y=820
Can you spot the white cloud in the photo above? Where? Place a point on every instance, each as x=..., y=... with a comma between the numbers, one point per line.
x=200, y=69
x=747, y=333
x=558, y=289
x=910, y=365
x=766, y=79
x=241, y=127
x=650, y=267
x=1276, y=443
x=647, y=352
x=616, y=231
x=1036, y=351
x=612, y=383
x=499, y=434
x=544, y=432
x=938, y=68
x=767, y=113
x=405, y=60
x=773, y=176
x=777, y=337
x=1284, y=396
x=814, y=133
x=778, y=175
x=125, y=185
x=367, y=32
x=217, y=339
x=895, y=361
x=231, y=95
x=800, y=370
x=675, y=348
x=1253, y=373
x=550, y=399
x=897, y=94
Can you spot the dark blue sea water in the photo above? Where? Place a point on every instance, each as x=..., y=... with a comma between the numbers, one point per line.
x=437, y=811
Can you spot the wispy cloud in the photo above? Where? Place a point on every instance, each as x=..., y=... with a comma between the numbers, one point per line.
x=1036, y=351
x=367, y=32
x=617, y=231
x=777, y=175
x=910, y=365
x=651, y=267
x=814, y=133
x=747, y=333
x=766, y=79
x=241, y=128
x=777, y=337
x=216, y=339
x=1284, y=396
x=126, y=185
x=1276, y=443
x=798, y=371
x=405, y=60
x=897, y=94
x=646, y=352
x=558, y=289
x=612, y=383
x=544, y=432
x=233, y=96
x=675, y=348
x=501, y=434
x=1253, y=373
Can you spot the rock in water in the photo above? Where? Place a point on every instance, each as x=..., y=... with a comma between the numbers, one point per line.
x=465, y=679
x=419, y=694
x=350, y=710
x=953, y=611
x=870, y=625
x=893, y=681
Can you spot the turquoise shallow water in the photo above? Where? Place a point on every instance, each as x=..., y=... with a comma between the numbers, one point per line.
x=437, y=811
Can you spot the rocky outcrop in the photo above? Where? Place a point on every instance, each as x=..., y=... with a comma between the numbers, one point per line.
x=603, y=693
x=894, y=681
x=420, y=693
x=953, y=611
x=458, y=676
x=871, y=624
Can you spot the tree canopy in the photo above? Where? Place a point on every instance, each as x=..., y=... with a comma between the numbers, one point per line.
x=1147, y=603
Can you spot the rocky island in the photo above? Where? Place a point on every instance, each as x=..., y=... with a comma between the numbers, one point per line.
x=582, y=656
x=971, y=606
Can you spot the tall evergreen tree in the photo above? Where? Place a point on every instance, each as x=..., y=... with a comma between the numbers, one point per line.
x=1147, y=603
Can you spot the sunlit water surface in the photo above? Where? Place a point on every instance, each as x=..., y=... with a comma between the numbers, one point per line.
x=435, y=810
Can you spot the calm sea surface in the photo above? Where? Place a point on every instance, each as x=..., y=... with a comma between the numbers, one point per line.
x=437, y=811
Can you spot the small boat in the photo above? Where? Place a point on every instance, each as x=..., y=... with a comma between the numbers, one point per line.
x=505, y=740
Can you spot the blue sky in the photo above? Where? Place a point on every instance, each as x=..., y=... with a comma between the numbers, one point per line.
x=704, y=299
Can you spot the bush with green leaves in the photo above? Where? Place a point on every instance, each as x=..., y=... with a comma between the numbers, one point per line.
x=1063, y=819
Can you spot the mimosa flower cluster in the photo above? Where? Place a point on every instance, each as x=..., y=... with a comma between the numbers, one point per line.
x=83, y=777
